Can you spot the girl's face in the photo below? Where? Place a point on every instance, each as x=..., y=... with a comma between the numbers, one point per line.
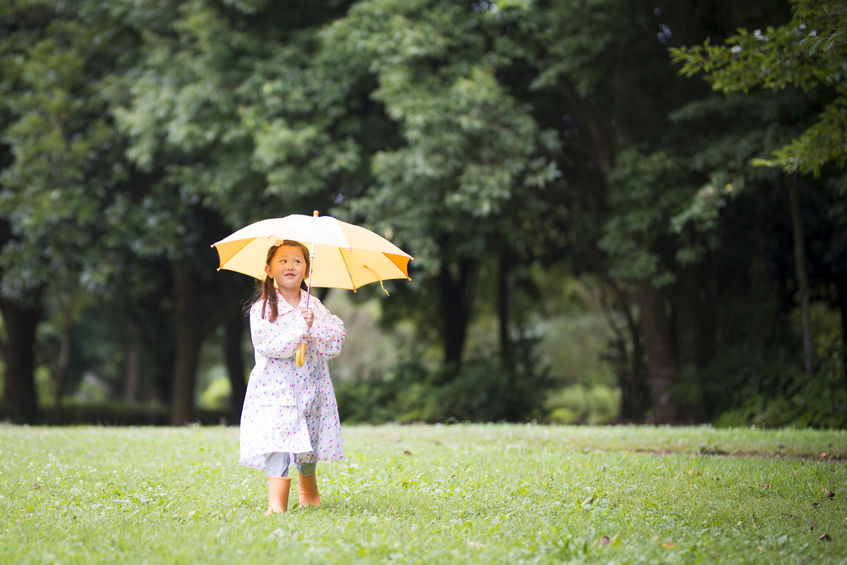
x=287, y=268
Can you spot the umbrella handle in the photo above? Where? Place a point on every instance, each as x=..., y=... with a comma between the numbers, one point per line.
x=300, y=356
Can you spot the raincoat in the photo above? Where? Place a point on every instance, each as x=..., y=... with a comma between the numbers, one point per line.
x=287, y=408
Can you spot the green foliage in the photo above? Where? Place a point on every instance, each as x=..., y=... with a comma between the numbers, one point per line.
x=580, y=37
x=493, y=141
x=484, y=388
x=580, y=404
x=758, y=381
x=114, y=413
x=434, y=494
x=648, y=190
x=58, y=135
x=808, y=52
x=466, y=167
x=469, y=148
x=822, y=143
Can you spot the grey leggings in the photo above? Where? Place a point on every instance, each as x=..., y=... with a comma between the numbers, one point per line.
x=276, y=465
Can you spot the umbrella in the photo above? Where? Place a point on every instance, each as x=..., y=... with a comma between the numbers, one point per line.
x=342, y=255
x=346, y=256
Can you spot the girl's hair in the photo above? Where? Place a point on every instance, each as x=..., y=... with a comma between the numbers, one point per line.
x=265, y=290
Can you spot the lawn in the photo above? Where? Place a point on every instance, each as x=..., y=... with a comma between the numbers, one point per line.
x=430, y=494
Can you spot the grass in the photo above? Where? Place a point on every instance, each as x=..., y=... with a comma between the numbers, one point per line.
x=430, y=494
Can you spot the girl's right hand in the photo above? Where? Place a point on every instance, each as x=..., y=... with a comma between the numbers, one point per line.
x=308, y=316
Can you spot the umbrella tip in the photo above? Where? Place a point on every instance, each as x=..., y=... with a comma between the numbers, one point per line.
x=315, y=213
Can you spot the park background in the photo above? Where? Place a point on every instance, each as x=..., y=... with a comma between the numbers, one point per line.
x=620, y=211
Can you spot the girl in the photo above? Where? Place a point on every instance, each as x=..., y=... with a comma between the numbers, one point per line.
x=290, y=415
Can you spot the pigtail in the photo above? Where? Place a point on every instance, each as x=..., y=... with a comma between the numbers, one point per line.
x=266, y=292
x=270, y=299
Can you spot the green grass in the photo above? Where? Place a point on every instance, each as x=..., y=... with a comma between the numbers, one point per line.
x=430, y=494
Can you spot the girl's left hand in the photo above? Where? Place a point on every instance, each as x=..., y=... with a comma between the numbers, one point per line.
x=308, y=316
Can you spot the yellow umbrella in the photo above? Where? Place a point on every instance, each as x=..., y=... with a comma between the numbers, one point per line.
x=342, y=255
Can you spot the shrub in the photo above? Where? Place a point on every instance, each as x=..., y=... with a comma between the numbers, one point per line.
x=581, y=404
x=484, y=388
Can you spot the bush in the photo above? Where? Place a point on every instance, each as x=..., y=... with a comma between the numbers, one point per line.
x=379, y=400
x=778, y=394
x=484, y=388
x=119, y=414
x=580, y=404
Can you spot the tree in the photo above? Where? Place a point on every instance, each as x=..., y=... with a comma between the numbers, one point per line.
x=606, y=64
x=466, y=153
x=56, y=180
x=490, y=140
x=206, y=119
x=807, y=53
x=595, y=65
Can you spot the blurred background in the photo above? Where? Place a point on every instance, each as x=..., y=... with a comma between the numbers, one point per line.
x=620, y=210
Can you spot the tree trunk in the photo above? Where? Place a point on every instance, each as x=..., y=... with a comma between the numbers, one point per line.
x=800, y=270
x=661, y=365
x=503, y=309
x=455, y=304
x=696, y=332
x=233, y=333
x=842, y=307
x=629, y=363
x=635, y=394
x=132, y=368
x=20, y=321
x=64, y=359
x=186, y=322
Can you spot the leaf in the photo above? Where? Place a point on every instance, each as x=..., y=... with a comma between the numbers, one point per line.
x=815, y=45
x=825, y=537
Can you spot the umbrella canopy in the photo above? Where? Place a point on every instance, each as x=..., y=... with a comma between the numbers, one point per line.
x=344, y=255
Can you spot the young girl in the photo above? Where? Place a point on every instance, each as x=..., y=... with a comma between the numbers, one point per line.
x=290, y=415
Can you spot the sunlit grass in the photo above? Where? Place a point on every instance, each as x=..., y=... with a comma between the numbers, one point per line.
x=433, y=494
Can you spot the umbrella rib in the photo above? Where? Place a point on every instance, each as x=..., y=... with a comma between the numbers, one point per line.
x=347, y=267
x=232, y=254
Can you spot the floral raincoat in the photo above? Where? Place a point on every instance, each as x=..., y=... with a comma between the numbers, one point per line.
x=287, y=408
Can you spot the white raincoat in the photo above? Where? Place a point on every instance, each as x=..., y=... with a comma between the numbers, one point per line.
x=287, y=408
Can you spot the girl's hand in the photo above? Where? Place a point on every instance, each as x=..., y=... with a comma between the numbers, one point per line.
x=309, y=316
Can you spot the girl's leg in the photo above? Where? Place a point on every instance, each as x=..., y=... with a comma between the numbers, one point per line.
x=306, y=469
x=307, y=485
x=276, y=466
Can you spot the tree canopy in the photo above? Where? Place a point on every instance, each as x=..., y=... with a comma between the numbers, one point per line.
x=518, y=149
x=807, y=53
